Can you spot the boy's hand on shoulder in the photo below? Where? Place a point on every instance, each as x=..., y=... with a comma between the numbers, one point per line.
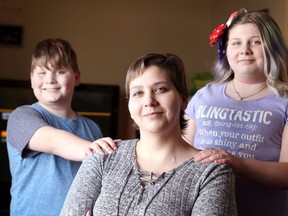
x=106, y=144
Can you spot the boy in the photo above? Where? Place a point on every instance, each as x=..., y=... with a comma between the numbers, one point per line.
x=47, y=140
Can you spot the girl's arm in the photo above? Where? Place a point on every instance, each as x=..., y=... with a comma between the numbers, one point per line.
x=273, y=174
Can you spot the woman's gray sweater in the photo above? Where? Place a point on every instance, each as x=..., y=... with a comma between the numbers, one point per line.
x=110, y=185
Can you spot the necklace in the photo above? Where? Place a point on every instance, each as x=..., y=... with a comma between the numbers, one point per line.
x=242, y=98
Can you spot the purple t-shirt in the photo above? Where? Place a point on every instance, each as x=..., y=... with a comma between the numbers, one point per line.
x=248, y=129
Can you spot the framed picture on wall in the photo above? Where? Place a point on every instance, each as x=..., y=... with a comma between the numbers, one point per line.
x=11, y=35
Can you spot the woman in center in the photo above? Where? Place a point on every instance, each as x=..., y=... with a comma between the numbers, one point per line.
x=155, y=174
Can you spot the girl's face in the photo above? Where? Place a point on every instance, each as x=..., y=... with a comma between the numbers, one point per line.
x=54, y=86
x=245, y=52
x=154, y=102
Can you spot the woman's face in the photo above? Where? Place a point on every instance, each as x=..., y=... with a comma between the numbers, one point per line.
x=245, y=52
x=154, y=102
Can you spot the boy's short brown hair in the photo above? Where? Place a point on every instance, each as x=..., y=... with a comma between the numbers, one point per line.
x=54, y=54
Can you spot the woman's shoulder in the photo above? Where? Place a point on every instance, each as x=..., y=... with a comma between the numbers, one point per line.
x=124, y=146
x=124, y=152
x=127, y=144
x=207, y=169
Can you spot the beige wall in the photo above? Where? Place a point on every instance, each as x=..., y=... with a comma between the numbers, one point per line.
x=109, y=35
x=286, y=21
x=276, y=9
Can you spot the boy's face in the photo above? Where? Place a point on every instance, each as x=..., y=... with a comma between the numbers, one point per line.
x=54, y=87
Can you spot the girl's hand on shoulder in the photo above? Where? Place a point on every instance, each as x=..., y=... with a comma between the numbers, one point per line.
x=219, y=156
x=103, y=144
